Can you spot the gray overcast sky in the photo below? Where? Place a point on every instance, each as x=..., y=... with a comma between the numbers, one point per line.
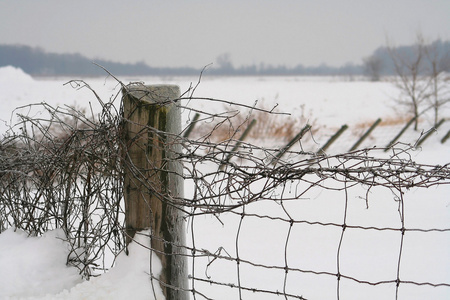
x=193, y=33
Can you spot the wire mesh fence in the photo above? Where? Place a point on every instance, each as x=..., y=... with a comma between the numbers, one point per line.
x=303, y=226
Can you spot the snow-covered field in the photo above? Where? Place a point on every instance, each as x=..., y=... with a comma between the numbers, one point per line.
x=31, y=266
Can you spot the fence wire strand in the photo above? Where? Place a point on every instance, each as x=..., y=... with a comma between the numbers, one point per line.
x=60, y=168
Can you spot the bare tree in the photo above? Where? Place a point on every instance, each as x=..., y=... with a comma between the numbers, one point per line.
x=224, y=62
x=409, y=68
x=372, y=67
x=438, y=64
x=420, y=77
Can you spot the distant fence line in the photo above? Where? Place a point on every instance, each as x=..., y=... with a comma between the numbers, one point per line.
x=66, y=170
x=421, y=139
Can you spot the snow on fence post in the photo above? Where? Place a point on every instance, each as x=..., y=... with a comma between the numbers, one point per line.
x=152, y=179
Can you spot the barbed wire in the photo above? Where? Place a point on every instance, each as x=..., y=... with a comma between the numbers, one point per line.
x=62, y=169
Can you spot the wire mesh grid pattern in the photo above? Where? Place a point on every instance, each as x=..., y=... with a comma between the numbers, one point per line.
x=257, y=226
x=292, y=219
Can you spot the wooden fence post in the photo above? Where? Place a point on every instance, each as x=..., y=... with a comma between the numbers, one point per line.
x=191, y=125
x=291, y=143
x=152, y=179
x=365, y=135
x=395, y=139
x=429, y=132
x=239, y=142
x=445, y=138
x=331, y=140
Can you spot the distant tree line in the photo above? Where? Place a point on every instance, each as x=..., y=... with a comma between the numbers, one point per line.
x=385, y=60
x=37, y=62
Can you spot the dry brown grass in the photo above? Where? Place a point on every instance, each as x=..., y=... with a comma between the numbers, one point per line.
x=268, y=125
x=360, y=128
x=277, y=127
x=389, y=121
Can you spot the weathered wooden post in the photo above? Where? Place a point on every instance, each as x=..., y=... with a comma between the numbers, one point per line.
x=238, y=144
x=365, y=135
x=332, y=139
x=395, y=139
x=294, y=140
x=153, y=183
x=429, y=132
x=191, y=125
x=445, y=138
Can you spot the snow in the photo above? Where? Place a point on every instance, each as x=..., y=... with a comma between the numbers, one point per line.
x=16, y=74
x=35, y=267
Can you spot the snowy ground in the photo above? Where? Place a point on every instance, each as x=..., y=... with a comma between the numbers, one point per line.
x=31, y=266
x=35, y=268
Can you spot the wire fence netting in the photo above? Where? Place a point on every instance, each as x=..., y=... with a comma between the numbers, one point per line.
x=304, y=225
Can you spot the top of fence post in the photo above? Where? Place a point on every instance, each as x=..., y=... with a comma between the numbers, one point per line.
x=153, y=183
